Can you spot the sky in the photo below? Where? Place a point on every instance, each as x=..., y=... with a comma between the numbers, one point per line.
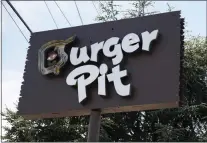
x=36, y=15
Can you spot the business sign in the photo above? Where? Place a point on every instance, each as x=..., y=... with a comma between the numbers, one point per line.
x=126, y=65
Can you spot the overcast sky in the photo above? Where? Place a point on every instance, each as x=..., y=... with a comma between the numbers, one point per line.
x=14, y=46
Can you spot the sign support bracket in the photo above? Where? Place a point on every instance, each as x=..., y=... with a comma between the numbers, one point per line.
x=94, y=125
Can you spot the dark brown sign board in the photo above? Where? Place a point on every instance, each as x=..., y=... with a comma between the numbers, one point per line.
x=153, y=75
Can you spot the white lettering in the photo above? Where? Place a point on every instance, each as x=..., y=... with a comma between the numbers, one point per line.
x=82, y=82
x=148, y=38
x=102, y=80
x=117, y=52
x=111, y=48
x=83, y=57
x=128, y=41
x=115, y=76
x=95, y=48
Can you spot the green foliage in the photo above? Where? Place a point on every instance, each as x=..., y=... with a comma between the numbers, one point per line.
x=20, y=130
x=195, y=66
x=187, y=123
x=109, y=11
x=45, y=130
x=170, y=8
x=140, y=8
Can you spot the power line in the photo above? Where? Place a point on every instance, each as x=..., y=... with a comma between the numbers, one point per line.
x=19, y=16
x=95, y=8
x=78, y=12
x=50, y=14
x=15, y=22
x=62, y=12
x=101, y=2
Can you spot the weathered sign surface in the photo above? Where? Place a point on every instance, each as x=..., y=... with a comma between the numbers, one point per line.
x=126, y=65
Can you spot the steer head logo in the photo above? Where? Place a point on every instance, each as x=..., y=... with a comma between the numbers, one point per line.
x=52, y=56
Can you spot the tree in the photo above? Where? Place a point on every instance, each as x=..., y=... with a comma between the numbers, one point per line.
x=188, y=123
x=181, y=124
x=170, y=8
x=109, y=11
x=45, y=130
x=139, y=9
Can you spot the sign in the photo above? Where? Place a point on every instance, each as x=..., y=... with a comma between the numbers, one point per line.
x=126, y=65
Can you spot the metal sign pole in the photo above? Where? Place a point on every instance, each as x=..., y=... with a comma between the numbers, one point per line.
x=94, y=125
